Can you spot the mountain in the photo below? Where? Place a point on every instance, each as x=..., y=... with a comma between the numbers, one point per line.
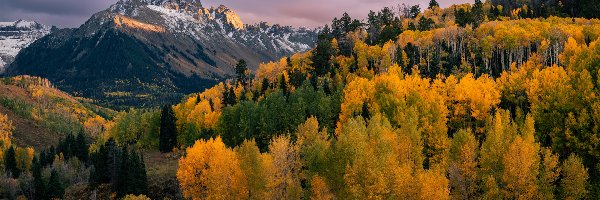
x=152, y=52
x=17, y=35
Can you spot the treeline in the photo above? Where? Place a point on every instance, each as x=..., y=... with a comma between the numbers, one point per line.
x=546, y=8
x=69, y=170
x=374, y=159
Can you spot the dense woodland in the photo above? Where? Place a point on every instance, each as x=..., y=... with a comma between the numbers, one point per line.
x=495, y=100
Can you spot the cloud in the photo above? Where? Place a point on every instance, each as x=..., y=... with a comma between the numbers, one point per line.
x=63, y=13
x=311, y=13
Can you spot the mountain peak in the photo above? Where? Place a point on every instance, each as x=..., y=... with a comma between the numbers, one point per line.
x=229, y=16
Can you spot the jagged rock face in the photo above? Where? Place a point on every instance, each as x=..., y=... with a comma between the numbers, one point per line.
x=17, y=35
x=140, y=51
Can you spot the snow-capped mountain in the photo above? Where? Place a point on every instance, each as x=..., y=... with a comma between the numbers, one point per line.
x=143, y=50
x=17, y=35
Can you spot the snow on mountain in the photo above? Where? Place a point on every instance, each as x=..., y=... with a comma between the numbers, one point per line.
x=17, y=35
x=155, y=51
x=190, y=18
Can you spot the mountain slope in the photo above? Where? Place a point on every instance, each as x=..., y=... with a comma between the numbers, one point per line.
x=17, y=35
x=141, y=51
x=43, y=114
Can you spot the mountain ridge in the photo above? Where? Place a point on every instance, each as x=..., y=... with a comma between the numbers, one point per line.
x=155, y=51
x=17, y=35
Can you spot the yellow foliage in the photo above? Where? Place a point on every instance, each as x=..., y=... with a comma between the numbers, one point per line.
x=6, y=129
x=320, y=190
x=433, y=185
x=211, y=171
x=475, y=97
x=24, y=158
x=284, y=175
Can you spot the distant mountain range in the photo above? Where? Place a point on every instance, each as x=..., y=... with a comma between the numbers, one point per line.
x=17, y=35
x=141, y=51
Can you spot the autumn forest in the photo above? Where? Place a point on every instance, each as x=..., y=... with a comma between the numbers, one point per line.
x=473, y=101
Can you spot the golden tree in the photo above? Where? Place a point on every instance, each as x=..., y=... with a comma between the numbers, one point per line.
x=285, y=173
x=211, y=171
x=574, y=182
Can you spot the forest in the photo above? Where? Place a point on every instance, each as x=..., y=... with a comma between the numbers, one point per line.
x=492, y=100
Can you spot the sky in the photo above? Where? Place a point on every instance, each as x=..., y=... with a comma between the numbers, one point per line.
x=309, y=13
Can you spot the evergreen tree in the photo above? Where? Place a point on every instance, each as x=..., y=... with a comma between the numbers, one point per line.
x=168, y=130
x=323, y=53
x=283, y=85
x=264, y=85
x=82, y=148
x=38, y=181
x=10, y=163
x=463, y=17
x=125, y=176
x=477, y=13
x=433, y=3
x=142, y=176
x=98, y=174
x=113, y=162
x=55, y=186
x=415, y=11
x=366, y=115
x=425, y=24
x=231, y=98
x=240, y=71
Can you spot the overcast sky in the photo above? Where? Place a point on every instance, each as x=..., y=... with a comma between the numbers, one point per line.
x=311, y=13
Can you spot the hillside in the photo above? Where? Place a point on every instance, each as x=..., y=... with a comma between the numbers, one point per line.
x=42, y=114
x=147, y=53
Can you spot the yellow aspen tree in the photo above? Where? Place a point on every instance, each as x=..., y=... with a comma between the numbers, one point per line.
x=314, y=146
x=462, y=165
x=433, y=185
x=549, y=173
x=521, y=165
x=285, y=175
x=320, y=190
x=211, y=171
x=252, y=164
x=500, y=134
x=404, y=185
x=574, y=181
x=24, y=158
x=6, y=129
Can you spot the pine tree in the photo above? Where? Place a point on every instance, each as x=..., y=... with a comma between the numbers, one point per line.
x=283, y=85
x=265, y=86
x=240, y=71
x=142, y=177
x=125, y=176
x=168, y=130
x=38, y=181
x=433, y=3
x=322, y=53
x=55, y=186
x=366, y=115
x=10, y=163
x=82, y=147
x=477, y=13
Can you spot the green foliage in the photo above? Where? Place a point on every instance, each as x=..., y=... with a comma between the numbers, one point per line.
x=274, y=115
x=124, y=170
x=241, y=69
x=55, y=186
x=21, y=108
x=10, y=163
x=168, y=130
